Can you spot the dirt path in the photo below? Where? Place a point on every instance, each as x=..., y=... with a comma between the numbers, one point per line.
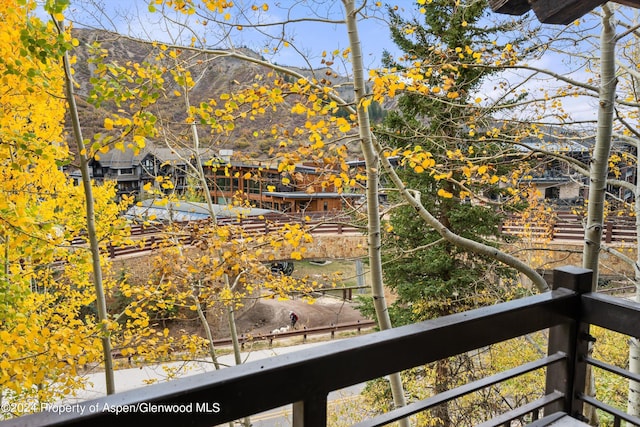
x=270, y=314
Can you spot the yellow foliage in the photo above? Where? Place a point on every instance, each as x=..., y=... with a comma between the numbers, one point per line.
x=46, y=335
x=444, y=193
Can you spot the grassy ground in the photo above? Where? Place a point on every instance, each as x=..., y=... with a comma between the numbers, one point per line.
x=343, y=273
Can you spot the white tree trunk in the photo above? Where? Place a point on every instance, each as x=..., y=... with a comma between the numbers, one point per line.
x=212, y=213
x=207, y=330
x=600, y=159
x=373, y=209
x=599, y=169
x=92, y=234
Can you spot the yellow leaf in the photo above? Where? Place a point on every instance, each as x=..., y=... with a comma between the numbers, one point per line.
x=343, y=125
x=444, y=193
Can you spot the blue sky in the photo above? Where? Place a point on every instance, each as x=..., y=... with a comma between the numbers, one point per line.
x=310, y=38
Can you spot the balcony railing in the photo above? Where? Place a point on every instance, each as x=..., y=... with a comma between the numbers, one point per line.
x=305, y=378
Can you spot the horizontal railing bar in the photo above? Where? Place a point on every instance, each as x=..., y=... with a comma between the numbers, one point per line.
x=610, y=409
x=547, y=420
x=617, y=314
x=614, y=369
x=523, y=410
x=302, y=374
x=463, y=390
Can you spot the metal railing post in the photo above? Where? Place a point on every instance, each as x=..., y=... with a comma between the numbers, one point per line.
x=311, y=412
x=571, y=338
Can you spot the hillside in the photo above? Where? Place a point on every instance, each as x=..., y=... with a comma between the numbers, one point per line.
x=214, y=75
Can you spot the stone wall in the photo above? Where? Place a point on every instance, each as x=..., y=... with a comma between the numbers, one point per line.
x=323, y=247
x=547, y=256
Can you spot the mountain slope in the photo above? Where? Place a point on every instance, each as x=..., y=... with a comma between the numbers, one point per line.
x=213, y=76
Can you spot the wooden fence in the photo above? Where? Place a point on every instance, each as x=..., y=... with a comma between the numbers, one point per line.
x=150, y=236
x=304, y=333
x=569, y=226
x=564, y=226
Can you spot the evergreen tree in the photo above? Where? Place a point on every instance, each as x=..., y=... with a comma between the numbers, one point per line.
x=430, y=276
x=440, y=278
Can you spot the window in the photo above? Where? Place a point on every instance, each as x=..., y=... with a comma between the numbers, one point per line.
x=127, y=171
x=552, y=193
x=127, y=187
x=254, y=186
x=223, y=183
x=97, y=170
x=148, y=164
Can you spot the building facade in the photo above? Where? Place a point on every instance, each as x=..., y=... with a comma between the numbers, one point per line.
x=259, y=184
x=262, y=185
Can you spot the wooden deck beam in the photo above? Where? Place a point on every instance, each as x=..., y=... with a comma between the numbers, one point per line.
x=553, y=11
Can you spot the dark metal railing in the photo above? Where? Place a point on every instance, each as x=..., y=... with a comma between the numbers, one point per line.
x=306, y=377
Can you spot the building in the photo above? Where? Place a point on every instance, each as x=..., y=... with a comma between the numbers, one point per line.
x=259, y=183
x=132, y=170
x=554, y=179
x=263, y=185
x=561, y=184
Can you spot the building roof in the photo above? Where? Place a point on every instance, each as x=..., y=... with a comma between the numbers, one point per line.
x=555, y=146
x=187, y=211
x=119, y=159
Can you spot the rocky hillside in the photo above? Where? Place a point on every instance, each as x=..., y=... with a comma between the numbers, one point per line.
x=214, y=75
